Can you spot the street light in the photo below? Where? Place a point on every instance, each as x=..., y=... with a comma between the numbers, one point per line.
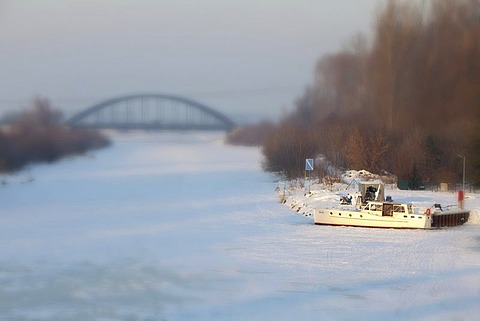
x=463, y=179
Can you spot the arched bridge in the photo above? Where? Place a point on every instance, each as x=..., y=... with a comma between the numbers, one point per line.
x=151, y=112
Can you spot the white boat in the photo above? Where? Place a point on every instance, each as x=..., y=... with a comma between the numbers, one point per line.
x=390, y=215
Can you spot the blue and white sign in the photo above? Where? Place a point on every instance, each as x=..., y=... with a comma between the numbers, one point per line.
x=309, y=164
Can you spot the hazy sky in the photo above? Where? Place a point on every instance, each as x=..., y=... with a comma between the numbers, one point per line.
x=245, y=58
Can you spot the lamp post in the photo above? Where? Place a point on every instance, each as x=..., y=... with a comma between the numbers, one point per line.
x=463, y=177
x=463, y=182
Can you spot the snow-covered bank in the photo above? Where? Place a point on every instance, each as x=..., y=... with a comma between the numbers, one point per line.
x=181, y=227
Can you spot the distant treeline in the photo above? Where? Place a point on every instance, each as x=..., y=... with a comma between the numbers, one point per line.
x=38, y=135
x=406, y=102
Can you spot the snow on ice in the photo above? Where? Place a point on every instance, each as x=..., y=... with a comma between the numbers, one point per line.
x=181, y=227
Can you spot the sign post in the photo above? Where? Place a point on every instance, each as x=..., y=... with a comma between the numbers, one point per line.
x=308, y=169
x=309, y=164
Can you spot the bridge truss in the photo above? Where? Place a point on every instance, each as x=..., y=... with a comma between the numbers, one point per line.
x=151, y=112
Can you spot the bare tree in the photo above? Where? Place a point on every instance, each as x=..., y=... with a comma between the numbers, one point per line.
x=392, y=105
x=38, y=135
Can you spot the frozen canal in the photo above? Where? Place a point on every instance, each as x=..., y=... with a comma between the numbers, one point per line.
x=181, y=227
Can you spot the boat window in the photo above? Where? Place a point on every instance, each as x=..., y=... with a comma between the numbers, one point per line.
x=410, y=208
x=387, y=210
x=376, y=207
x=398, y=208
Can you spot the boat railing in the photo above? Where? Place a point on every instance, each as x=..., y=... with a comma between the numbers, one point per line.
x=452, y=206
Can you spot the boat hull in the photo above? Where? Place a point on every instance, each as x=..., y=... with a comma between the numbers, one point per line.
x=366, y=219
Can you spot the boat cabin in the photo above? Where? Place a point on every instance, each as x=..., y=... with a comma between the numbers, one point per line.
x=387, y=209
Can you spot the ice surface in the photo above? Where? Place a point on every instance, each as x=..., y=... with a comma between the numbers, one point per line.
x=181, y=227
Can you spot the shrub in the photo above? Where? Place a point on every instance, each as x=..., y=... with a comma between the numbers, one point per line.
x=38, y=135
x=286, y=150
x=253, y=135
